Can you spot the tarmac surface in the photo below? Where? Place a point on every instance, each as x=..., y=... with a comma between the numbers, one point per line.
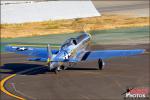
x=81, y=82
x=132, y=8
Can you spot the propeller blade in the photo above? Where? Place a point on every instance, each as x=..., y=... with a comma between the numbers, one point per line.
x=49, y=53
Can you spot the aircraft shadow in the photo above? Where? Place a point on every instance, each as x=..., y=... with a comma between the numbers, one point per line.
x=77, y=68
x=12, y=68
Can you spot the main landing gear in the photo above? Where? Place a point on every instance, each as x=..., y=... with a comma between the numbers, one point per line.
x=57, y=69
x=101, y=64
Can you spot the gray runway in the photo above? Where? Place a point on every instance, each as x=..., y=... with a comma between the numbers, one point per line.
x=81, y=82
x=131, y=8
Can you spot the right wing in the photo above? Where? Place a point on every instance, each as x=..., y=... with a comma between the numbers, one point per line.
x=106, y=54
x=102, y=54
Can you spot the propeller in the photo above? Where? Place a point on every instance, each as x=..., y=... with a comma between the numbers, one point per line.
x=49, y=54
x=93, y=44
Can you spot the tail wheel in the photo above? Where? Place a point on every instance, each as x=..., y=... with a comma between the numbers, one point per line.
x=100, y=64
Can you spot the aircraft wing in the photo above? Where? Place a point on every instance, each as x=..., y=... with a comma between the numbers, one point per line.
x=30, y=51
x=106, y=54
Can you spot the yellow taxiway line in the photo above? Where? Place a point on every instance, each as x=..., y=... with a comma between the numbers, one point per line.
x=2, y=88
x=2, y=83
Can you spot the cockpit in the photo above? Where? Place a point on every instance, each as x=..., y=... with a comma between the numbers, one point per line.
x=69, y=42
x=73, y=41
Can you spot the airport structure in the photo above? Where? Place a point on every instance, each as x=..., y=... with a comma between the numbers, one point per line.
x=21, y=12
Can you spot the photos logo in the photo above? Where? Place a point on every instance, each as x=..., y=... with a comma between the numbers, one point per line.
x=136, y=93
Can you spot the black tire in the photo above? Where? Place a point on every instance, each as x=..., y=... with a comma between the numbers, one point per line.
x=100, y=64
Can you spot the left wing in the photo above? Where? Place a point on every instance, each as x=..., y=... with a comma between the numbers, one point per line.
x=106, y=54
x=30, y=51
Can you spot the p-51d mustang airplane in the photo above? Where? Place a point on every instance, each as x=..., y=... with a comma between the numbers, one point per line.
x=72, y=51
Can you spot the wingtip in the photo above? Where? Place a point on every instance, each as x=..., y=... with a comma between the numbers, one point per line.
x=142, y=51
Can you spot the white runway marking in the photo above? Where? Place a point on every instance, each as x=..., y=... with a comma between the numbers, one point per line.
x=23, y=94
